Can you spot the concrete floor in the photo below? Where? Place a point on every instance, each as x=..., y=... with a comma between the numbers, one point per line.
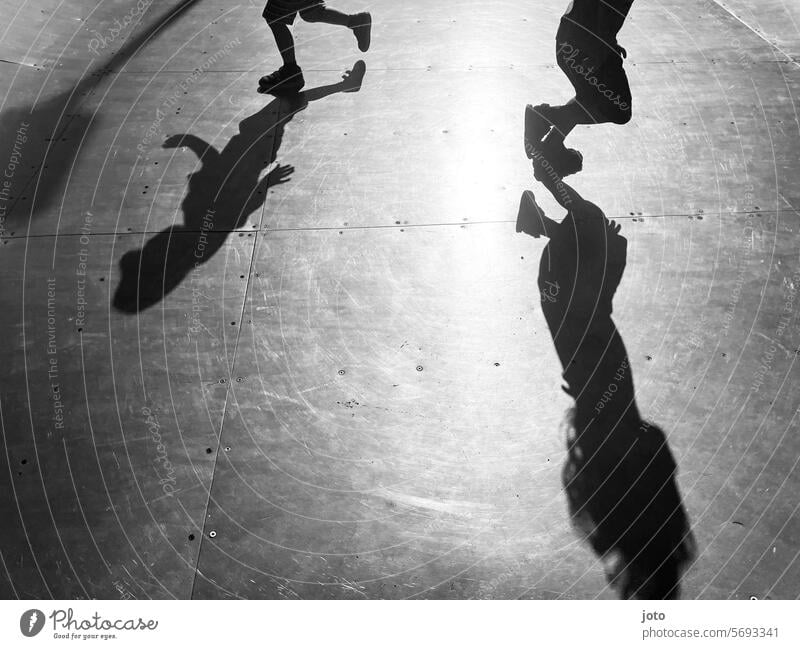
x=354, y=393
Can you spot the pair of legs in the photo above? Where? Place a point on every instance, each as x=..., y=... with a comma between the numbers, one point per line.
x=602, y=95
x=564, y=119
x=532, y=219
x=281, y=14
x=319, y=14
x=598, y=104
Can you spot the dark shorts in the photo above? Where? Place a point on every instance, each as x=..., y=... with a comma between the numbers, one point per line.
x=285, y=11
x=595, y=71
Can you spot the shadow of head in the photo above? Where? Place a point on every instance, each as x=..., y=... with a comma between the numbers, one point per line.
x=622, y=495
x=149, y=274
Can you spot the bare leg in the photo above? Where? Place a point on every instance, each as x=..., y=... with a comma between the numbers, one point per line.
x=565, y=118
x=361, y=24
x=285, y=42
x=328, y=16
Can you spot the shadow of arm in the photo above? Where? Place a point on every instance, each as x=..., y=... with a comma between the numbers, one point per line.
x=202, y=149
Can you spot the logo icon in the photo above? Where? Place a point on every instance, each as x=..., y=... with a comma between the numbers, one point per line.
x=31, y=622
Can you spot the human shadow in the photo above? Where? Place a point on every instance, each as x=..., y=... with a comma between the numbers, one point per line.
x=222, y=194
x=45, y=136
x=620, y=475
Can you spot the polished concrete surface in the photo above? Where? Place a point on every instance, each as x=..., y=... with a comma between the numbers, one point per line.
x=334, y=378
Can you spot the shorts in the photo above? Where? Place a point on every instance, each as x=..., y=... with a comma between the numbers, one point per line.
x=285, y=11
x=601, y=88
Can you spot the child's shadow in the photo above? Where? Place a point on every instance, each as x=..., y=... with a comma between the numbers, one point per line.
x=619, y=475
x=225, y=191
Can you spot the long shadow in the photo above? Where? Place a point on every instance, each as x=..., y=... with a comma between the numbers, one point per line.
x=619, y=476
x=34, y=133
x=222, y=194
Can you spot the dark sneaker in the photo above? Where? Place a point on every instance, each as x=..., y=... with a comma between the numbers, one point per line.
x=352, y=79
x=552, y=158
x=285, y=80
x=529, y=219
x=566, y=161
x=361, y=24
x=536, y=127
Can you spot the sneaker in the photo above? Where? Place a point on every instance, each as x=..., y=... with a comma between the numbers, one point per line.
x=536, y=127
x=566, y=161
x=361, y=24
x=529, y=219
x=554, y=158
x=286, y=79
x=352, y=79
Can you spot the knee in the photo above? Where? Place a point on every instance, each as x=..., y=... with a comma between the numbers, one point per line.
x=619, y=112
x=623, y=115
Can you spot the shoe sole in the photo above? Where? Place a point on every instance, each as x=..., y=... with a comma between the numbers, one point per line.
x=288, y=86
